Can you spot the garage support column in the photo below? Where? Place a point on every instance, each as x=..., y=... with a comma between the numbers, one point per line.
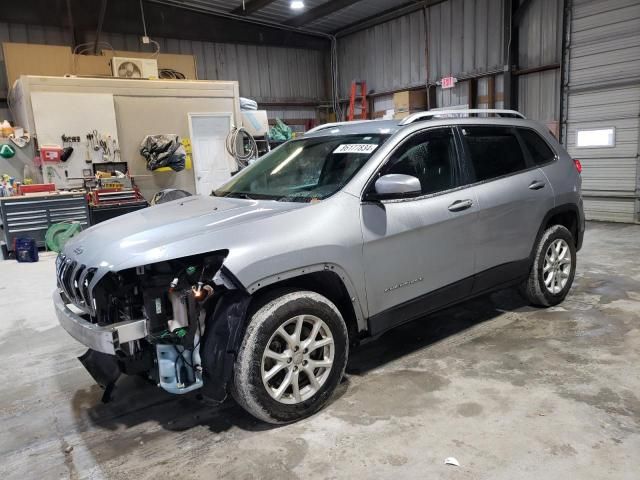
x=511, y=15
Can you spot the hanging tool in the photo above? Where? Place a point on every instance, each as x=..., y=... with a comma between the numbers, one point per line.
x=362, y=96
x=88, y=159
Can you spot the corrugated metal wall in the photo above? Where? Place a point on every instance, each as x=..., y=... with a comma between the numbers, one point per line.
x=267, y=74
x=389, y=56
x=465, y=39
x=540, y=44
x=270, y=74
x=604, y=91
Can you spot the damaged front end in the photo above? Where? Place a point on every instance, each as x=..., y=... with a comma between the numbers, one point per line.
x=177, y=322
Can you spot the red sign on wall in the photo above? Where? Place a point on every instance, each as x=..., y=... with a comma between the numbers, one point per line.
x=448, y=82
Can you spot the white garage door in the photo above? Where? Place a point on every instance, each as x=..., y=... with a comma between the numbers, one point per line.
x=603, y=108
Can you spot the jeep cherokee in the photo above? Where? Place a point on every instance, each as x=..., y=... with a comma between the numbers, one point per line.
x=260, y=289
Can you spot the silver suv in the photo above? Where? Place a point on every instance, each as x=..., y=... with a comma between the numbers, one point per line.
x=260, y=289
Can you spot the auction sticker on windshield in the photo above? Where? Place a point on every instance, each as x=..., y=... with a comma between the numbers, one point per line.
x=365, y=148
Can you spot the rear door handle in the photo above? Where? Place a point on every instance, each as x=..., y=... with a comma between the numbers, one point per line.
x=460, y=205
x=536, y=185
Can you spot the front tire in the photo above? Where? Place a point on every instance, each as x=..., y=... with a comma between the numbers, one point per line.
x=553, y=269
x=292, y=357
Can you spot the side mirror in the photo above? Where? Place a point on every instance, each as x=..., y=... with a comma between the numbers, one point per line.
x=394, y=185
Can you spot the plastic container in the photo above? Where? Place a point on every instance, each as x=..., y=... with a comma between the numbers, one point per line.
x=5, y=128
x=26, y=250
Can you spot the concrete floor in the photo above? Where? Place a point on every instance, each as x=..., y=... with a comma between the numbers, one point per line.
x=510, y=391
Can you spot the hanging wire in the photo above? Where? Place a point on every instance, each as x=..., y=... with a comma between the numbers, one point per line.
x=335, y=86
x=144, y=23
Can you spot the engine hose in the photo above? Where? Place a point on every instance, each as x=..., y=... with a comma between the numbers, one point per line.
x=231, y=144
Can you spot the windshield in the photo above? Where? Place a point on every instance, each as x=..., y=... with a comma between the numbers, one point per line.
x=304, y=170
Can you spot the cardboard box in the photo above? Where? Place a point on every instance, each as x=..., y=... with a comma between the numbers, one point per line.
x=34, y=59
x=91, y=65
x=410, y=100
x=385, y=115
x=401, y=115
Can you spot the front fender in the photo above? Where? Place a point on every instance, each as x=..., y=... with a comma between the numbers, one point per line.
x=359, y=305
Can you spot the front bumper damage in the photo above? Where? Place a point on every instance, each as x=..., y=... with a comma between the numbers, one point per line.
x=103, y=339
x=215, y=353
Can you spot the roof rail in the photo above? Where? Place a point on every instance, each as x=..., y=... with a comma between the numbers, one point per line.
x=416, y=117
x=324, y=126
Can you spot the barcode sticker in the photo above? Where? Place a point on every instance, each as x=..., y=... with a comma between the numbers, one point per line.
x=365, y=148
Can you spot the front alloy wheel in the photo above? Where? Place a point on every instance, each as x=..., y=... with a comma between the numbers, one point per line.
x=292, y=357
x=298, y=359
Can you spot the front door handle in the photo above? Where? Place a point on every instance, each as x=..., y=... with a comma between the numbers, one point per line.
x=460, y=205
x=536, y=185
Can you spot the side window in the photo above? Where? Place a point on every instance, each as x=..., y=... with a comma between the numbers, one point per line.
x=494, y=151
x=538, y=148
x=430, y=156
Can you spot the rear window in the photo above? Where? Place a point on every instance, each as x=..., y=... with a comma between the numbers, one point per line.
x=494, y=151
x=540, y=152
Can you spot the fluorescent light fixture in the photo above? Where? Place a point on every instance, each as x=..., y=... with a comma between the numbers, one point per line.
x=596, y=138
x=297, y=5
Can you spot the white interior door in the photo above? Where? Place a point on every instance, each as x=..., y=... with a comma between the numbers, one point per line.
x=212, y=165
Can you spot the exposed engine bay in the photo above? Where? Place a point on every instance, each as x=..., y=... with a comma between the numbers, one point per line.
x=177, y=299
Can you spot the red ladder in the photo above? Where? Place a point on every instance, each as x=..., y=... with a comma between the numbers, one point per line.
x=363, y=99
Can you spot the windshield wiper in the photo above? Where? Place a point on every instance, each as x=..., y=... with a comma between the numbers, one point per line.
x=236, y=195
x=293, y=198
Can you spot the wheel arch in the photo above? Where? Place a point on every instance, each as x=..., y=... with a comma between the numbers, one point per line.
x=567, y=215
x=328, y=280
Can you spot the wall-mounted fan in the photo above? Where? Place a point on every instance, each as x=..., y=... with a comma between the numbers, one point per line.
x=124, y=67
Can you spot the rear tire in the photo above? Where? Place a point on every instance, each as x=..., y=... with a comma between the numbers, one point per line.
x=292, y=357
x=553, y=268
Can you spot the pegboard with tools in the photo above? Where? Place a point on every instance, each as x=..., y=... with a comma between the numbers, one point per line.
x=102, y=147
x=83, y=126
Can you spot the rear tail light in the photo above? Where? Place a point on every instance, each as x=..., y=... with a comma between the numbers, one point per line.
x=578, y=165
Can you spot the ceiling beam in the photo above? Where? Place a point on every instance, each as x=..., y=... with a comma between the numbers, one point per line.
x=251, y=7
x=318, y=12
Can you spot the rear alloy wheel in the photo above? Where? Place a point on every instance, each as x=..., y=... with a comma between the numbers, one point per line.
x=556, y=268
x=292, y=357
x=553, y=269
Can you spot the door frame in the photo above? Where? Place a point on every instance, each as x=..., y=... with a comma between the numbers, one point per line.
x=190, y=117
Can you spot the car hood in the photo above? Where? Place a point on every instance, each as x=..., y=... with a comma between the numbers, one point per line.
x=183, y=227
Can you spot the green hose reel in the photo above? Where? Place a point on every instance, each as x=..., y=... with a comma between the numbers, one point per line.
x=7, y=151
x=59, y=234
